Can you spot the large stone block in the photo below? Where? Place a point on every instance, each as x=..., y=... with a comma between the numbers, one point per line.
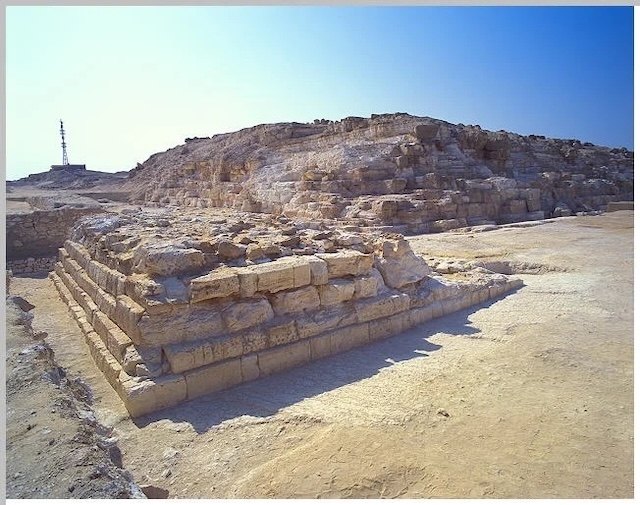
x=78, y=252
x=144, y=396
x=388, y=326
x=298, y=300
x=365, y=286
x=280, y=334
x=103, y=359
x=212, y=378
x=319, y=271
x=320, y=346
x=220, y=283
x=106, y=303
x=117, y=342
x=336, y=291
x=127, y=316
x=248, y=282
x=167, y=259
x=254, y=340
x=283, y=357
x=279, y=275
x=349, y=337
x=398, y=264
x=420, y=315
x=182, y=324
x=347, y=263
x=381, y=306
x=245, y=314
x=249, y=367
x=324, y=320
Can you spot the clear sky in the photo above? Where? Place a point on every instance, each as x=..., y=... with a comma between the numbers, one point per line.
x=131, y=81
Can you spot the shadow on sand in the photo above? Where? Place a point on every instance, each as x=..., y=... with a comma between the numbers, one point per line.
x=266, y=396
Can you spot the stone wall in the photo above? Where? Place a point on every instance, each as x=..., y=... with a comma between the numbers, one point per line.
x=40, y=233
x=171, y=324
x=32, y=265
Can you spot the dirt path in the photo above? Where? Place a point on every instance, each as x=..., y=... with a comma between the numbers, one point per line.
x=527, y=396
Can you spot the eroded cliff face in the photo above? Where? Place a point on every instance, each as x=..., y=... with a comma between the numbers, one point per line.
x=415, y=173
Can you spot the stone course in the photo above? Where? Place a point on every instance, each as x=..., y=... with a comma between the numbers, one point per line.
x=172, y=326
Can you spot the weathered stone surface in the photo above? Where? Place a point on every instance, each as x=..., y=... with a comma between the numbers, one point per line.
x=284, y=273
x=297, y=300
x=186, y=324
x=381, y=306
x=336, y=291
x=245, y=314
x=167, y=258
x=212, y=378
x=347, y=262
x=399, y=265
x=281, y=358
x=220, y=283
x=324, y=320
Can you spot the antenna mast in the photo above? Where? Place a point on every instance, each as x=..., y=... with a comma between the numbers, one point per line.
x=65, y=159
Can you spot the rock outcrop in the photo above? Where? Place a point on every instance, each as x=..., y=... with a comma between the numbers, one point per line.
x=416, y=174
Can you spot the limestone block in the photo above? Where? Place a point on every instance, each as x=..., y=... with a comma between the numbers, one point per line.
x=248, y=282
x=349, y=337
x=132, y=363
x=420, y=315
x=106, y=303
x=102, y=324
x=283, y=357
x=324, y=320
x=347, y=262
x=297, y=300
x=174, y=291
x=437, y=309
x=450, y=305
x=220, y=283
x=144, y=396
x=284, y=273
x=117, y=342
x=254, y=340
x=388, y=326
x=496, y=290
x=398, y=264
x=282, y=333
x=320, y=346
x=249, y=367
x=182, y=324
x=86, y=283
x=78, y=252
x=336, y=291
x=167, y=258
x=381, y=306
x=212, y=378
x=319, y=271
x=71, y=266
x=85, y=301
x=103, y=359
x=365, y=286
x=191, y=355
x=245, y=314
x=127, y=316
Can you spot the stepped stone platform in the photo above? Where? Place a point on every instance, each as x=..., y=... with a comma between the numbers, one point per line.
x=177, y=305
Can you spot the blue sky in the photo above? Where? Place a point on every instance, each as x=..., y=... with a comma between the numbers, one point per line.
x=132, y=81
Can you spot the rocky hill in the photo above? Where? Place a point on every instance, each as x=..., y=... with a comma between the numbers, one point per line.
x=417, y=174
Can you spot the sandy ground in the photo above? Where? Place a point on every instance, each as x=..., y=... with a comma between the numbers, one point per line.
x=526, y=396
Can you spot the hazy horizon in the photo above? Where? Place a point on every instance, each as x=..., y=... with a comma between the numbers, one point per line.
x=132, y=81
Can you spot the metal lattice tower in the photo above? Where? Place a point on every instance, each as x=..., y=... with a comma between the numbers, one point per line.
x=65, y=159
